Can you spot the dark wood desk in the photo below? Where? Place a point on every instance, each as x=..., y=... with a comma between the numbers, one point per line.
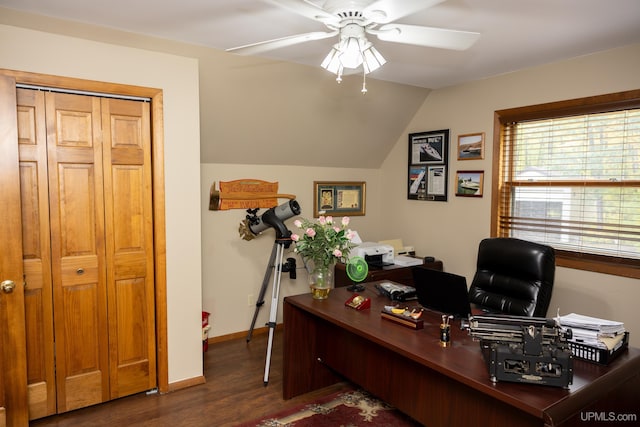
x=395, y=273
x=325, y=341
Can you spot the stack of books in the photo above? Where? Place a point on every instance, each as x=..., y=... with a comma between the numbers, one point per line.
x=598, y=338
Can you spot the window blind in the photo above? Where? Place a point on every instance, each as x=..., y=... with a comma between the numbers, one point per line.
x=573, y=182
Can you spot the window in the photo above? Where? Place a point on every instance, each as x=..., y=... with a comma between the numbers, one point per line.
x=569, y=177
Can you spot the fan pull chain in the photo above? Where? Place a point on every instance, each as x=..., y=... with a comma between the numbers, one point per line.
x=364, y=83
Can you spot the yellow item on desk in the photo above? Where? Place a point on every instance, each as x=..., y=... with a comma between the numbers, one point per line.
x=612, y=342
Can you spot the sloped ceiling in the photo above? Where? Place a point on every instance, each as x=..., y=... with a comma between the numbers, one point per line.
x=260, y=111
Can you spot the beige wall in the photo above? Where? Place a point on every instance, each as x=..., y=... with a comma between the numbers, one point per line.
x=451, y=231
x=34, y=51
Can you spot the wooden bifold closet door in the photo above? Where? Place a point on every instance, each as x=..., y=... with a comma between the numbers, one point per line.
x=86, y=190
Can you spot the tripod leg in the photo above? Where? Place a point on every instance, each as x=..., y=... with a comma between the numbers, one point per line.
x=275, y=292
x=263, y=290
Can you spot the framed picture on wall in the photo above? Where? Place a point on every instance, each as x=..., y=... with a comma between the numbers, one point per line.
x=339, y=198
x=469, y=183
x=471, y=146
x=428, y=162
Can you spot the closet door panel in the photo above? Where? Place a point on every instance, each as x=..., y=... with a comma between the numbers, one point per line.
x=32, y=146
x=77, y=248
x=129, y=243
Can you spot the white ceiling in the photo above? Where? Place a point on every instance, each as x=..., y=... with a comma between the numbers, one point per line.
x=516, y=34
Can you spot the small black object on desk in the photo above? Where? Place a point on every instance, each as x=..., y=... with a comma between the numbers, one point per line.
x=356, y=287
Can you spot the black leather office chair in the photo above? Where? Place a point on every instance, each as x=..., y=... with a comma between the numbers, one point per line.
x=514, y=277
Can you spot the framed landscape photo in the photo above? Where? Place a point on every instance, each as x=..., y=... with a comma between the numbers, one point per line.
x=469, y=183
x=471, y=146
x=428, y=161
x=345, y=198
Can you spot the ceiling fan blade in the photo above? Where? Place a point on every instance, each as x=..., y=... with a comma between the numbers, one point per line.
x=264, y=46
x=426, y=36
x=307, y=9
x=385, y=11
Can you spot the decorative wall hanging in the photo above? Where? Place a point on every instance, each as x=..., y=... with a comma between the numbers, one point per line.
x=245, y=194
x=428, y=163
x=471, y=146
x=469, y=183
x=339, y=198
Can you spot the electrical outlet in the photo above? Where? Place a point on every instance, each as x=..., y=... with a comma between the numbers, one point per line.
x=251, y=300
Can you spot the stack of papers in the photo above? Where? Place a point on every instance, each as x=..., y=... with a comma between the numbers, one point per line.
x=600, y=333
x=406, y=260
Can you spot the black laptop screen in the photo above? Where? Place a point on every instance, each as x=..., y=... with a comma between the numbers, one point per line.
x=443, y=292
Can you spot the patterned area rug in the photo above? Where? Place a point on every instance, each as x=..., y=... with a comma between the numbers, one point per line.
x=345, y=409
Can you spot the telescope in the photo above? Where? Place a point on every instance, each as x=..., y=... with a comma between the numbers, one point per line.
x=250, y=227
x=273, y=217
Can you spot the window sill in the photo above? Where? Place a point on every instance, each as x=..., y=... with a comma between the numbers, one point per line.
x=599, y=264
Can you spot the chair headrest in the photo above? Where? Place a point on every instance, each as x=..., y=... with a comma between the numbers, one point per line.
x=513, y=276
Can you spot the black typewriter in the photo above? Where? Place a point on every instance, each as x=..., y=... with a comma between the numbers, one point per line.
x=521, y=349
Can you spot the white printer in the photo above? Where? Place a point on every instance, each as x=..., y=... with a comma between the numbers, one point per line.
x=375, y=254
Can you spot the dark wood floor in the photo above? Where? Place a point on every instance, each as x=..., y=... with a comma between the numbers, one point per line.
x=234, y=392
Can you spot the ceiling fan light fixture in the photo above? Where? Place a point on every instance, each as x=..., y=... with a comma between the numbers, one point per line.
x=351, y=55
x=352, y=21
x=332, y=61
x=372, y=59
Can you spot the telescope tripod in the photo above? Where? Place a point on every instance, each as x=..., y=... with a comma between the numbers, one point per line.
x=274, y=261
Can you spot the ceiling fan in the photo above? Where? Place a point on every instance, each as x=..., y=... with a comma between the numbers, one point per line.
x=352, y=20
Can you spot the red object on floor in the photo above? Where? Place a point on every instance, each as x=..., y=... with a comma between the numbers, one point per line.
x=205, y=331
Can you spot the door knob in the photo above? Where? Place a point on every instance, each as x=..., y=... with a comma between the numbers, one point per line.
x=7, y=286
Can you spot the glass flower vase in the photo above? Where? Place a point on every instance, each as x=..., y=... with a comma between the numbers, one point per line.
x=321, y=280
